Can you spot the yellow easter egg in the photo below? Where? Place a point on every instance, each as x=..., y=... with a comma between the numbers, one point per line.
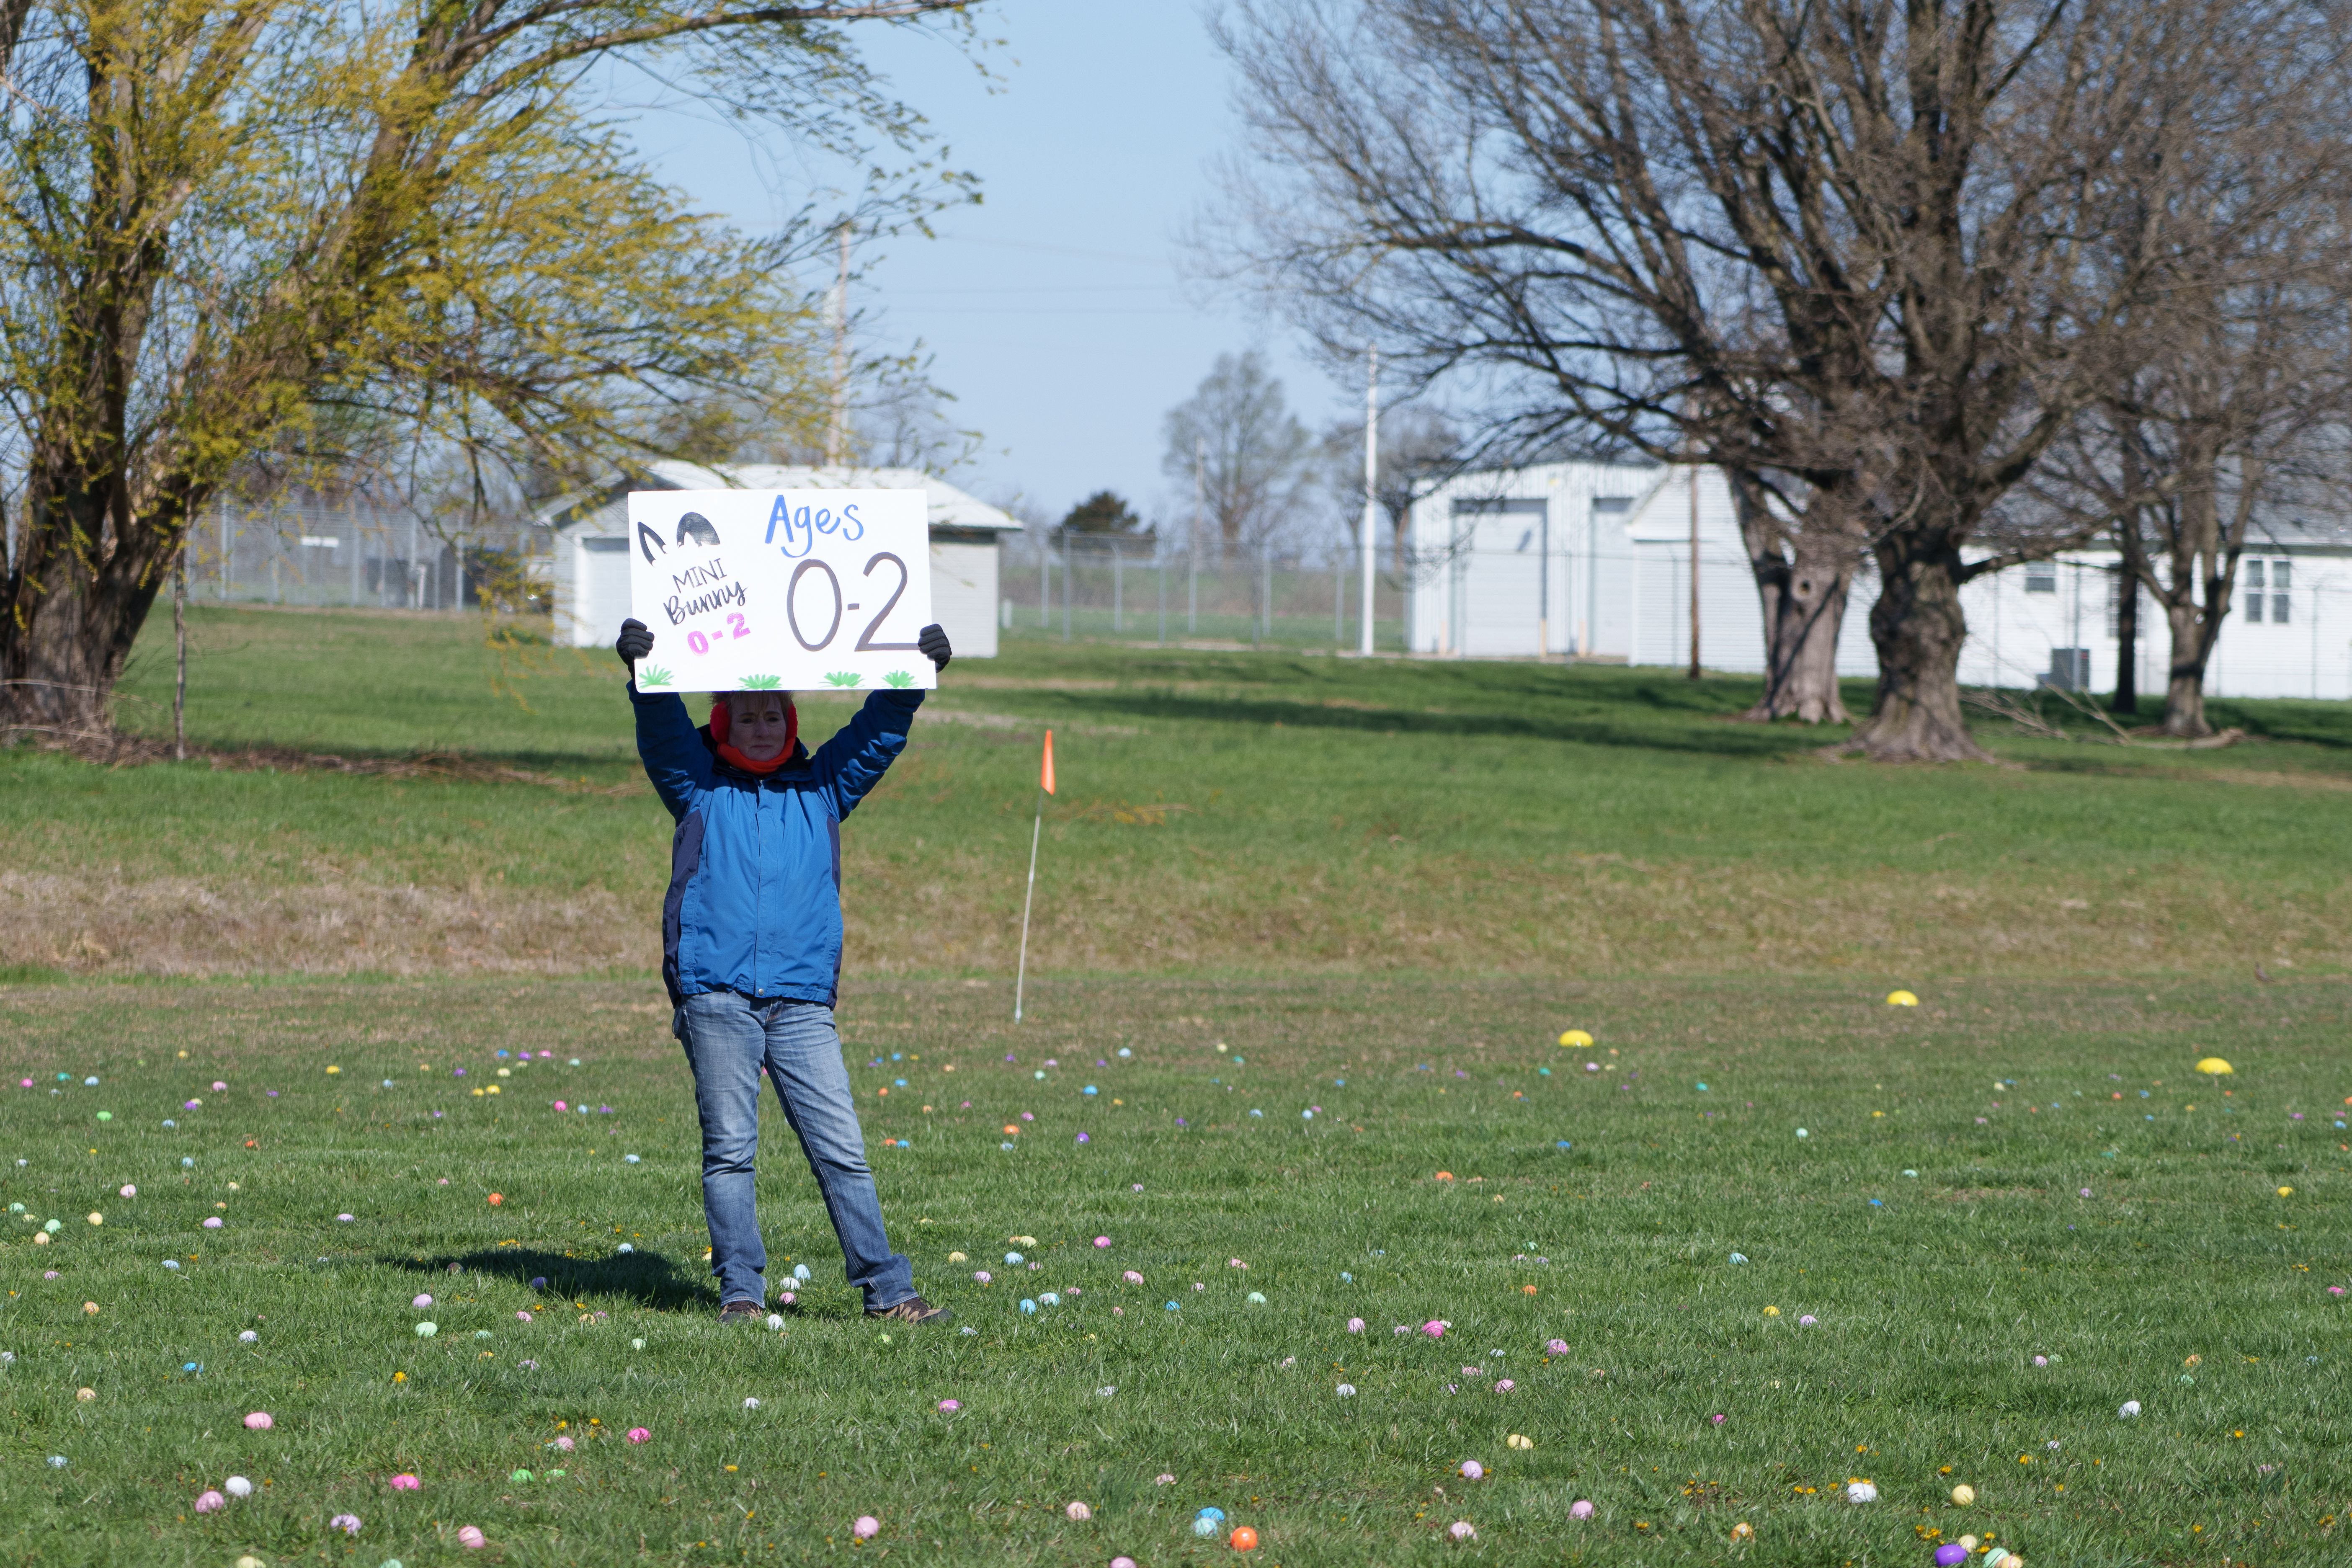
x=2215, y=1066
x=1964, y=1494
x=1576, y=1038
x=1901, y=999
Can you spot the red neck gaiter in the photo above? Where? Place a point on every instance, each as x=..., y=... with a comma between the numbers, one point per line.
x=721, y=721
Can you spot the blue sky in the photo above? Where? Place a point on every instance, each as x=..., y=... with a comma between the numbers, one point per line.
x=1056, y=312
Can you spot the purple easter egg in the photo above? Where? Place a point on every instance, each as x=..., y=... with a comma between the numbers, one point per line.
x=1951, y=1555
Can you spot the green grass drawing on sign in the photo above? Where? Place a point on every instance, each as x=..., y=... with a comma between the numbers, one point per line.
x=841, y=677
x=899, y=678
x=762, y=682
x=652, y=675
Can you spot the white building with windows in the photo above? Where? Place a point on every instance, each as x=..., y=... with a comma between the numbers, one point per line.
x=1594, y=561
x=589, y=574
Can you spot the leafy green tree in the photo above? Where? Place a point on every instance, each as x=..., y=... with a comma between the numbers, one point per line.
x=1103, y=513
x=288, y=227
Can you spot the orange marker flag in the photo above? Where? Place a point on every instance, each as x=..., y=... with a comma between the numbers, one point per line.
x=1046, y=778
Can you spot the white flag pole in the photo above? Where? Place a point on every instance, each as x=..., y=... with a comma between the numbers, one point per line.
x=1021, y=980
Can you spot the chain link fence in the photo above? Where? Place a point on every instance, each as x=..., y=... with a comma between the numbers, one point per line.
x=1139, y=591
x=355, y=555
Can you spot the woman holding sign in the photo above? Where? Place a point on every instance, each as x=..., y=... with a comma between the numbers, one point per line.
x=751, y=955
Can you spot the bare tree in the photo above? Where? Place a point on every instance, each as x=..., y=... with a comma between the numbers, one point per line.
x=2236, y=408
x=1838, y=249
x=1252, y=453
x=1419, y=447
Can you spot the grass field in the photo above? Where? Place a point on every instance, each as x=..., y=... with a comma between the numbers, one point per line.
x=1385, y=889
x=2119, y=1238
x=1227, y=813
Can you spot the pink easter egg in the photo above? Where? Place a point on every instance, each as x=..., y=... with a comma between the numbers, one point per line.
x=522, y=1317
x=1505, y=1386
x=349, y=1523
x=559, y=1105
x=563, y=1444
x=421, y=1301
x=866, y=1527
x=950, y=1405
x=1433, y=1329
x=218, y=1086
x=471, y=1539
x=128, y=1191
x=785, y=1298
x=1461, y=1530
x=1132, y=1277
x=1355, y=1325
x=210, y=1501
x=406, y=1483
x=1472, y=1470
x=640, y=1435
x=1078, y=1513
x=1102, y=1241
x=211, y=1222
x=1122, y=1562
x=259, y=1421
x=1556, y=1347
x=1579, y=1509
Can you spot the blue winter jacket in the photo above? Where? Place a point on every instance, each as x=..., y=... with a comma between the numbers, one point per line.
x=755, y=901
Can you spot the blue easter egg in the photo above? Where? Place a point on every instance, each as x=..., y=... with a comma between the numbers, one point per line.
x=1013, y=1260
x=1028, y=1306
x=1205, y=1526
x=1212, y=1513
x=1175, y=1306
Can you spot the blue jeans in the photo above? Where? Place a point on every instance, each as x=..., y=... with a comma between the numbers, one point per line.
x=727, y=1038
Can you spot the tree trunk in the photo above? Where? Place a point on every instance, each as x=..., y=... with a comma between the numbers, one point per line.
x=1803, y=584
x=2184, y=687
x=82, y=588
x=1918, y=626
x=2126, y=591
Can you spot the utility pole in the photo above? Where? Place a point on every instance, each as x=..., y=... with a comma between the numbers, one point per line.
x=1192, y=583
x=836, y=437
x=1372, y=491
x=180, y=660
x=1693, y=571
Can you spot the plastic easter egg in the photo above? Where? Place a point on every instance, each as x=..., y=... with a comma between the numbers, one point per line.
x=801, y=1272
x=406, y=1483
x=1050, y=1299
x=128, y=1191
x=950, y=1405
x=1242, y=1540
x=1013, y=1260
x=1204, y=1526
x=238, y=1487
x=1346, y=1390
x=421, y=1301
x=1472, y=1470
x=349, y=1523
x=427, y=1331
x=2128, y=1408
x=1743, y=1531
x=1964, y=1494
x=775, y=1320
x=1213, y=1513
x=1028, y=1307
x=1951, y=1555
x=1122, y=1562
x=1355, y=1325
x=1462, y=1530
x=259, y=1421
x=210, y=1501
x=1901, y=999
x=96, y=1218
x=1102, y=1241
x=471, y=1538
x=1576, y=1038
x=866, y=1527
x=639, y=1435
x=2215, y=1066
x=1861, y=1491
x=1078, y=1513
x=1257, y=1299
x=1435, y=1329
x=1518, y=1441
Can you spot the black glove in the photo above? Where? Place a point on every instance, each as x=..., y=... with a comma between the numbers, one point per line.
x=633, y=643
x=931, y=642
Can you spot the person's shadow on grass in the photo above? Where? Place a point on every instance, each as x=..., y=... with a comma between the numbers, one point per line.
x=647, y=1277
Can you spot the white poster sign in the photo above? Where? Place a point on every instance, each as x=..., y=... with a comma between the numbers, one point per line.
x=781, y=590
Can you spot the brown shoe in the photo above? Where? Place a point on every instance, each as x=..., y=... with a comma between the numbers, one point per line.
x=913, y=1310
x=739, y=1312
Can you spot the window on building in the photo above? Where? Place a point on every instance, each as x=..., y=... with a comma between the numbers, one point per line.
x=2250, y=589
x=2041, y=576
x=2281, y=581
x=2118, y=583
